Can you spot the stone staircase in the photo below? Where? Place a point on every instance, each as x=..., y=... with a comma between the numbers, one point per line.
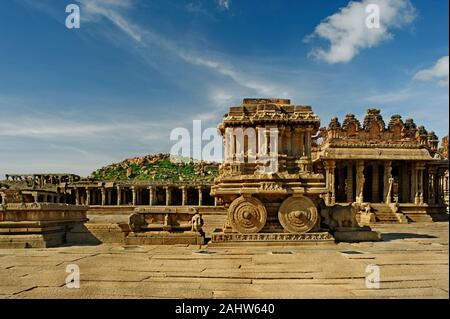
x=385, y=214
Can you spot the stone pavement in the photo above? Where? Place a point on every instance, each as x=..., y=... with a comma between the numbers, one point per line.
x=413, y=262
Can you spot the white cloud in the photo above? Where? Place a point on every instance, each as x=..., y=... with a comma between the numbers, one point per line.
x=108, y=9
x=224, y=4
x=437, y=72
x=348, y=34
x=54, y=127
x=394, y=96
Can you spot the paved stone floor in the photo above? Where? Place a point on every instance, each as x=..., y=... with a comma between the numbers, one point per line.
x=412, y=259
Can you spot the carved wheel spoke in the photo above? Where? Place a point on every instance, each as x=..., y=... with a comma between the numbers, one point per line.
x=298, y=214
x=247, y=215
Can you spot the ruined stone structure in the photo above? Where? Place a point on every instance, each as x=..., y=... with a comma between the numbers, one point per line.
x=99, y=193
x=37, y=225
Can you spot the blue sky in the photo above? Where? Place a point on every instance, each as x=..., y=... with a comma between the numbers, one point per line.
x=73, y=100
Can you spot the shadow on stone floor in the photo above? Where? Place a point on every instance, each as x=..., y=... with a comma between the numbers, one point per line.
x=396, y=236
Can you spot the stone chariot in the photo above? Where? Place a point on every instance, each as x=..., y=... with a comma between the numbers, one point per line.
x=266, y=181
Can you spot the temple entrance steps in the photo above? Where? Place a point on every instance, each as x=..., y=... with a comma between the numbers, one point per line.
x=415, y=213
x=384, y=213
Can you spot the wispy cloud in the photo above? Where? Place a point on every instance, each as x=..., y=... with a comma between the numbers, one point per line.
x=348, y=34
x=147, y=38
x=224, y=4
x=438, y=72
x=109, y=10
x=394, y=96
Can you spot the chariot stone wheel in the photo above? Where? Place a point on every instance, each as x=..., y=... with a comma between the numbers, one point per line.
x=247, y=215
x=298, y=214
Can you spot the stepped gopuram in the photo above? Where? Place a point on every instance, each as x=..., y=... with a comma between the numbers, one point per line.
x=267, y=181
x=395, y=167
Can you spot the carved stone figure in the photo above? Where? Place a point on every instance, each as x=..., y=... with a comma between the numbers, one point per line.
x=136, y=221
x=339, y=216
x=197, y=222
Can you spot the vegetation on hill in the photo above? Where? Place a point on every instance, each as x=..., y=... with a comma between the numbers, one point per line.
x=158, y=168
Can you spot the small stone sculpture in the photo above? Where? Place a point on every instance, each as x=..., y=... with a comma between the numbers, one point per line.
x=197, y=223
x=339, y=216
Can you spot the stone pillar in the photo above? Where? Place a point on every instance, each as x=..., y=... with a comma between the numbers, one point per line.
x=168, y=196
x=77, y=196
x=232, y=147
x=329, y=168
x=226, y=145
x=288, y=141
x=184, y=195
x=420, y=173
x=151, y=195
x=296, y=137
x=349, y=183
x=119, y=196
x=431, y=185
x=133, y=195
x=88, y=196
x=200, y=196
x=360, y=181
x=387, y=175
x=103, y=191
x=308, y=143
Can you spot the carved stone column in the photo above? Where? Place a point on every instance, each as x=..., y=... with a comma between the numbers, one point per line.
x=200, y=196
x=308, y=142
x=77, y=196
x=119, y=196
x=440, y=187
x=151, y=195
x=183, y=195
x=296, y=144
x=103, y=192
x=360, y=181
x=431, y=185
x=387, y=175
x=349, y=182
x=88, y=196
x=133, y=195
x=419, y=196
x=168, y=196
x=329, y=168
x=226, y=145
x=288, y=141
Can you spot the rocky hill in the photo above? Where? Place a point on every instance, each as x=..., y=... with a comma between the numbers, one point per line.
x=158, y=167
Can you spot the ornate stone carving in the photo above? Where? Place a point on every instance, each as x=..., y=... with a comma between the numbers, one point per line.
x=339, y=216
x=298, y=214
x=267, y=186
x=247, y=215
x=197, y=223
